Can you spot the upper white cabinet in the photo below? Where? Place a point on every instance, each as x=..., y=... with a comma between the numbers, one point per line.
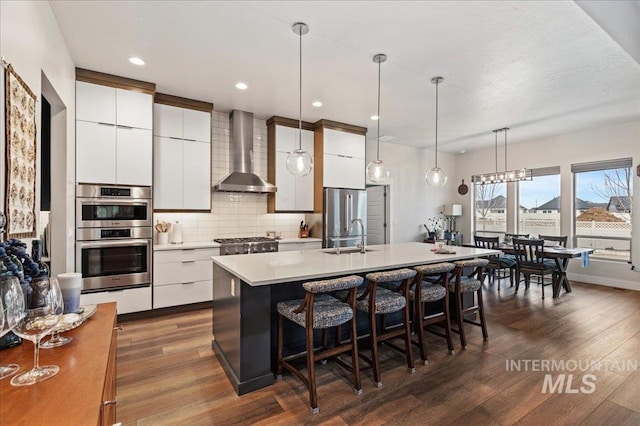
x=182, y=158
x=343, y=159
x=295, y=193
x=113, y=135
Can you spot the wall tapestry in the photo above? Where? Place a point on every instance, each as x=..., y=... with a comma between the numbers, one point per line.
x=20, y=116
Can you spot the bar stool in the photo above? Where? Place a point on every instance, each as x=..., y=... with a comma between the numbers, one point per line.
x=470, y=283
x=377, y=300
x=431, y=285
x=321, y=311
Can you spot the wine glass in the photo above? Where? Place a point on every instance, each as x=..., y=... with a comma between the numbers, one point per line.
x=39, y=318
x=55, y=339
x=11, y=309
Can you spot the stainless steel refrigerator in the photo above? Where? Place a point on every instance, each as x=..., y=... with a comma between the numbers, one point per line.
x=341, y=207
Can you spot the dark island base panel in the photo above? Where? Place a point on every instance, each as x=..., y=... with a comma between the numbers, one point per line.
x=245, y=328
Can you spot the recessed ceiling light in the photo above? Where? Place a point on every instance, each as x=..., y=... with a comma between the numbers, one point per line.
x=241, y=86
x=374, y=117
x=136, y=61
x=462, y=151
x=317, y=104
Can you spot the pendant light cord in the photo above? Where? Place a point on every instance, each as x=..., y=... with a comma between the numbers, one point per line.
x=495, y=132
x=437, y=84
x=505, y=150
x=300, y=112
x=378, y=145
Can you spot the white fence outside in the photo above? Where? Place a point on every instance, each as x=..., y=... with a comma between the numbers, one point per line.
x=604, y=248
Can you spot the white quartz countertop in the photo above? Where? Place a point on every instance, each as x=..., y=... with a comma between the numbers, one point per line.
x=272, y=268
x=299, y=240
x=186, y=246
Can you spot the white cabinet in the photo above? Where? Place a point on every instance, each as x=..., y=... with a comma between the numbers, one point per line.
x=182, y=159
x=295, y=193
x=129, y=300
x=300, y=245
x=182, y=276
x=343, y=159
x=113, y=135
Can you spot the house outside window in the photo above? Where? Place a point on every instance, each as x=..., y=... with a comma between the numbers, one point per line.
x=489, y=215
x=540, y=203
x=603, y=205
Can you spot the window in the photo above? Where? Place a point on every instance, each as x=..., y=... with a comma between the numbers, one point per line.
x=603, y=205
x=540, y=203
x=489, y=215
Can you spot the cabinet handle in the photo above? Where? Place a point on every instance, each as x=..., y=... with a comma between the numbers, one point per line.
x=106, y=124
x=125, y=127
x=175, y=138
x=190, y=140
x=189, y=282
x=114, y=401
x=188, y=261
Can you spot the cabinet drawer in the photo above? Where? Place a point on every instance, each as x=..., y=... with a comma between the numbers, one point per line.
x=182, y=272
x=131, y=300
x=181, y=255
x=182, y=294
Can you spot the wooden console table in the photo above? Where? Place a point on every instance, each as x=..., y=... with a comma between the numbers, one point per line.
x=82, y=393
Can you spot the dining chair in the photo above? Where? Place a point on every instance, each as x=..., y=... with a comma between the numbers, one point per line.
x=561, y=242
x=530, y=260
x=469, y=283
x=498, y=264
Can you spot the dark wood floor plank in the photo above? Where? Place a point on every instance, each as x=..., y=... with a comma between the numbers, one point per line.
x=168, y=373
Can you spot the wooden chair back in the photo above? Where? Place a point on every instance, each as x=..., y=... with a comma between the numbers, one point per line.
x=529, y=253
x=487, y=242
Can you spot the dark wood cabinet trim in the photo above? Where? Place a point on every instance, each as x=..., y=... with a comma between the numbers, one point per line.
x=289, y=122
x=103, y=79
x=318, y=166
x=271, y=165
x=177, y=101
x=343, y=127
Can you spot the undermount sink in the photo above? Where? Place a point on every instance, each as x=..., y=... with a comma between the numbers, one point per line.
x=347, y=250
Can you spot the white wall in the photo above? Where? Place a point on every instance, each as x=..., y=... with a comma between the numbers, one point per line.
x=412, y=201
x=611, y=142
x=31, y=41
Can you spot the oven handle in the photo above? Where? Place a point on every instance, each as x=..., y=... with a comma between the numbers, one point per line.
x=94, y=202
x=112, y=243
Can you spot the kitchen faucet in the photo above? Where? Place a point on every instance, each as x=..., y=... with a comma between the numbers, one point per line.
x=361, y=245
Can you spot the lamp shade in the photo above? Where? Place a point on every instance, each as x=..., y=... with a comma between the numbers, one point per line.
x=452, y=210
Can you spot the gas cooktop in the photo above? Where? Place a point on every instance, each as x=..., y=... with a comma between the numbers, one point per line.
x=239, y=240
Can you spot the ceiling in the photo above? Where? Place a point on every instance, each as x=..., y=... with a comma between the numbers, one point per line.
x=540, y=68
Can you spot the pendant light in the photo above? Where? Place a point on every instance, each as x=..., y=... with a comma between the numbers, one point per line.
x=299, y=161
x=376, y=170
x=507, y=175
x=436, y=176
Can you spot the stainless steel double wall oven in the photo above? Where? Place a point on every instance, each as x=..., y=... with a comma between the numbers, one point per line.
x=114, y=237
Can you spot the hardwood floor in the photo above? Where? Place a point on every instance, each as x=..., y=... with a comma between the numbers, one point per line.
x=168, y=374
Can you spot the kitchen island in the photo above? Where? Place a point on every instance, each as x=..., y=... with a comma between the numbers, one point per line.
x=246, y=289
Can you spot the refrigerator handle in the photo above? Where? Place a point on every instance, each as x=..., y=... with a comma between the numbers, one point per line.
x=347, y=212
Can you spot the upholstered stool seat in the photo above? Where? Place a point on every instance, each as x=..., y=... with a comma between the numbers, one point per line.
x=431, y=285
x=377, y=300
x=469, y=283
x=319, y=310
x=327, y=312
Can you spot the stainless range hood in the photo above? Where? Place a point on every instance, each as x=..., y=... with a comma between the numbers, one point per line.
x=242, y=178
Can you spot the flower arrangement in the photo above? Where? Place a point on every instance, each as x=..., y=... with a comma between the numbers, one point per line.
x=14, y=260
x=434, y=224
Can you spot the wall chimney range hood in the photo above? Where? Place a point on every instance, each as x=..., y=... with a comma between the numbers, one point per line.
x=242, y=178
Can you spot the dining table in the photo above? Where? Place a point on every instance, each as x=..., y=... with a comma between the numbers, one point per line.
x=560, y=255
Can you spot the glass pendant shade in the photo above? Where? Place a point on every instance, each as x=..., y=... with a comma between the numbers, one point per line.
x=377, y=172
x=299, y=162
x=436, y=177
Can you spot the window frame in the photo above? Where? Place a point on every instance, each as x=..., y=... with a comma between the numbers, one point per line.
x=594, y=167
